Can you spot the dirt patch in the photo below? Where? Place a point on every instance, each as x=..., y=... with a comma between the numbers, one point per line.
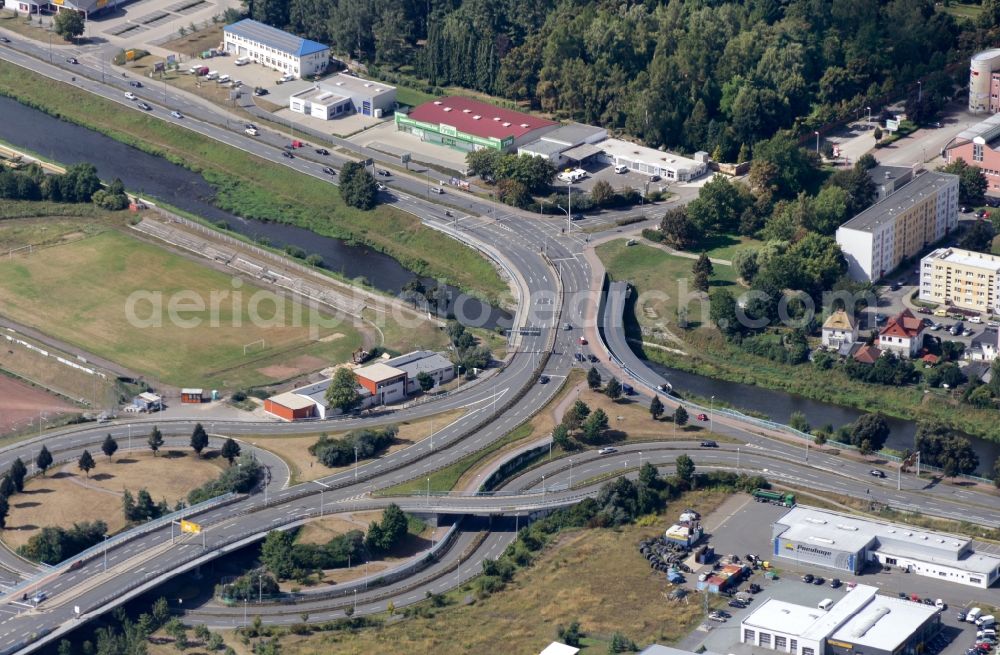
x=278, y=372
x=21, y=403
x=298, y=366
x=323, y=530
x=67, y=495
x=333, y=337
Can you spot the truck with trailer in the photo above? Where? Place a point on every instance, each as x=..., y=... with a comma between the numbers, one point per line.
x=774, y=497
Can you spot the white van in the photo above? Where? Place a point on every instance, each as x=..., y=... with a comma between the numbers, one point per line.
x=825, y=604
x=973, y=614
x=987, y=621
x=242, y=61
x=223, y=79
x=975, y=319
x=621, y=168
x=212, y=75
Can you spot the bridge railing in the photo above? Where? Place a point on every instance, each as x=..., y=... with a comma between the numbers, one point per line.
x=123, y=537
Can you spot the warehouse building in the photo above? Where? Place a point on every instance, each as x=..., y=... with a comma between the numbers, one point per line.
x=846, y=543
x=918, y=207
x=413, y=364
x=468, y=125
x=569, y=144
x=861, y=622
x=652, y=162
x=275, y=48
x=961, y=278
x=342, y=95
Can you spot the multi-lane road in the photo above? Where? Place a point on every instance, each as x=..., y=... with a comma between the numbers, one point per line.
x=552, y=288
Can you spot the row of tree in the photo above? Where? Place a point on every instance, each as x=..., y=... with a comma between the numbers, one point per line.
x=356, y=444
x=78, y=184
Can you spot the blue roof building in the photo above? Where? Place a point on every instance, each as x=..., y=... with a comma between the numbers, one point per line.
x=254, y=41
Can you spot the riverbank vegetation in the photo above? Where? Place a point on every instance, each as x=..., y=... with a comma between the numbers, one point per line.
x=255, y=188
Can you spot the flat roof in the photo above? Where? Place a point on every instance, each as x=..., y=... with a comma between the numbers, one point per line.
x=924, y=184
x=884, y=623
x=345, y=82
x=478, y=118
x=149, y=397
x=986, y=55
x=544, y=147
x=292, y=400
x=981, y=129
x=559, y=648
x=378, y=372
x=635, y=152
x=782, y=616
x=318, y=96
x=582, y=151
x=966, y=258
x=192, y=392
x=274, y=38
x=420, y=360
x=657, y=649
x=850, y=604
x=845, y=532
x=573, y=134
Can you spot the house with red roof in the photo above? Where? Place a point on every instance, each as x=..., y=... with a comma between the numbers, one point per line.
x=903, y=334
x=867, y=354
x=468, y=125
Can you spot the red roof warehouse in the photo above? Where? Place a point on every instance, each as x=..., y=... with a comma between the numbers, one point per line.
x=468, y=124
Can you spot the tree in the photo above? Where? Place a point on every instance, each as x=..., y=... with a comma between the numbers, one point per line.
x=594, y=378
x=595, y=425
x=719, y=206
x=685, y=469
x=109, y=446
x=656, y=408
x=68, y=24
x=4, y=510
x=575, y=415
x=996, y=473
x=425, y=380
x=343, y=393
x=560, y=437
x=877, y=134
x=677, y=229
x=230, y=450
x=86, y=463
x=680, y=416
x=613, y=389
x=978, y=237
x=44, y=459
x=357, y=186
x=394, y=526
x=155, y=440
x=940, y=446
x=602, y=193
x=7, y=487
x=702, y=270
x=571, y=634
x=745, y=264
x=276, y=553
x=870, y=431
x=972, y=183
x=199, y=439
x=18, y=471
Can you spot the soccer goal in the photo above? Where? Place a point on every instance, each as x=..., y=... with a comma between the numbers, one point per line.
x=23, y=250
x=254, y=346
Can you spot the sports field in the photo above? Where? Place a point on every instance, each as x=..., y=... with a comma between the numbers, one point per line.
x=170, y=318
x=21, y=405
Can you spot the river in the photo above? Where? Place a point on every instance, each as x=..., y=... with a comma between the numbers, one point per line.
x=155, y=177
x=779, y=406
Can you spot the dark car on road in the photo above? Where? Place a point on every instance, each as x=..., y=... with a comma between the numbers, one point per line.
x=72, y=60
x=4, y=39
x=135, y=84
x=329, y=171
x=875, y=473
x=384, y=173
x=543, y=379
x=287, y=154
x=322, y=151
x=144, y=106
x=709, y=444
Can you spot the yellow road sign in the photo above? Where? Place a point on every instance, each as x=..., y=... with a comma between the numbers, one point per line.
x=190, y=526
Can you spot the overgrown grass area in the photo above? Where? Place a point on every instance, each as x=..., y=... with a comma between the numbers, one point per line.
x=703, y=350
x=255, y=188
x=661, y=279
x=970, y=10
x=724, y=246
x=31, y=29
x=406, y=95
x=89, y=299
x=578, y=572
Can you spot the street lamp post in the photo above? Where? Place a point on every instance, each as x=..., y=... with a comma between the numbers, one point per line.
x=711, y=415
x=920, y=90
x=816, y=132
x=106, y=552
x=570, y=472
x=569, y=204
x=869, y=114
x=355, y=463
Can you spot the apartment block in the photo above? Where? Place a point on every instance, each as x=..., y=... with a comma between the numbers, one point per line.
x=917, y=207
x=961, y=278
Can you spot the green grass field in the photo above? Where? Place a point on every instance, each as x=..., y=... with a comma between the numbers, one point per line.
x=255, y=188
x=724, y=246
x=79, y=291
x=409, y=96
x=660, y=278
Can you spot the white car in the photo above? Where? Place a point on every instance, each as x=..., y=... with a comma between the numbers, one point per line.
x=607, y=450
x=129, y=95
x=176, y=114
x=251, y=131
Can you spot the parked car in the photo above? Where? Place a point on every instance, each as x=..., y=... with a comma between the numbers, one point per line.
x=936, y=327
x=260, y=91
x=876, y=473
x=592, y=357
x=923, y=310
x=702, y=417
x=322, y=151
x=607, y=450
x=738, y=604
x=960, y=616
x=807, y=578
x=992, y=202
x=819, y=581
x=835, y=583
x=582, y=341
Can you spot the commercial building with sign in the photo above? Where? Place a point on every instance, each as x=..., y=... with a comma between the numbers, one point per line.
x=843, y=542
x=468, y=125
x=274, y=48
x=861, y=622
x=961, y=278
x=341, y=95
x=919, y=209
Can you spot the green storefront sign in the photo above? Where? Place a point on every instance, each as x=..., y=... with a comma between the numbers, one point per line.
x=404, y=122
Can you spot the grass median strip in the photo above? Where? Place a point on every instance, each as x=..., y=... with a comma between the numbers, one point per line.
x=256, y=188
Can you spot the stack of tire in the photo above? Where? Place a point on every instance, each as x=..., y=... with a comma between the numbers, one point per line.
x=662, y=554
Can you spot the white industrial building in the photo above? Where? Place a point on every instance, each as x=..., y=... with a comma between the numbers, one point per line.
x=652, y=162
x=275, y=48
x=861, y=622
x=439, y=367
x=570, y=144
x=342, y=95
x=846, y=543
